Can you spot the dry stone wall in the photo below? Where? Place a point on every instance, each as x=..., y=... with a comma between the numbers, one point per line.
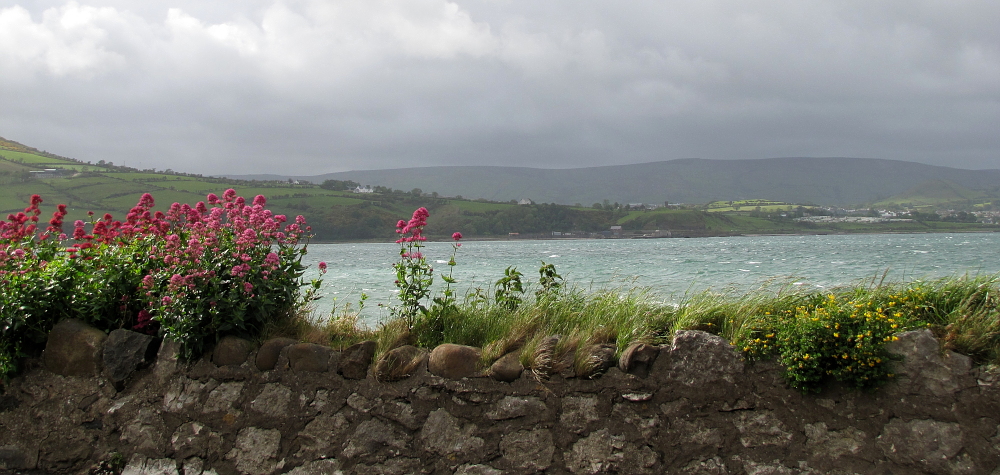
x=693, y=407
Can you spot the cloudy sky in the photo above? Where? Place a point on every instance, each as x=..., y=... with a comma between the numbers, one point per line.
x=315, y=86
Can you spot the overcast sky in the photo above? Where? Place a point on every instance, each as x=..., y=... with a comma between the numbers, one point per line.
x=315, y=86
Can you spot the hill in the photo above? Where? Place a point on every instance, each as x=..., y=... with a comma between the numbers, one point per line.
x=828, y=181
x=937, y=194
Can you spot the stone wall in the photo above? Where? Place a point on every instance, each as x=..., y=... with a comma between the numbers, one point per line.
x=692, y=407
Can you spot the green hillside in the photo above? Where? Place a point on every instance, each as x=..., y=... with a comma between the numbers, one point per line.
x=937, y=194
x=336, y=214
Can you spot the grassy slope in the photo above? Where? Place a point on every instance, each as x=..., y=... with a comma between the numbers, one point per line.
x=936, y=193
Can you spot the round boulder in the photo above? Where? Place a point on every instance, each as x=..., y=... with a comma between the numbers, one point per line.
x=454, y=361
x=74, y=349
x=231, y=350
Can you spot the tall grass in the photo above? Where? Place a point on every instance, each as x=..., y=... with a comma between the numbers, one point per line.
x=549, y=329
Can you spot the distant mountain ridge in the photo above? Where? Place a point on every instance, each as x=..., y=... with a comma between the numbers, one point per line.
x=830, y=181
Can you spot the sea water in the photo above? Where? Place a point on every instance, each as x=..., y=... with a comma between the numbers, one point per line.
x=669, y=267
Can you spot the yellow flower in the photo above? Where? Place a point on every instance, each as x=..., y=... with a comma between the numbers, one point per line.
x=805, y=356
x=836, y=335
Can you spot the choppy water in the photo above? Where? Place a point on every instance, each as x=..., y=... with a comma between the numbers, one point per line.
x=668, y=266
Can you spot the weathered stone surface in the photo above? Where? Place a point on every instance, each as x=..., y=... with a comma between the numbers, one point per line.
x=638, y=359
x=145, y=432
x=401, y=412
x=320, y=436
x=309, y=357
x=477, y=469
x=394, y=466
x=712, y=466
x=527, y=451
x=578, y=413
x=454, y=361
x=354, y=361
x=273, y=400
x=74, y=349
x=194, y=439
x=183, y=394
x=223, y=397
x=601, y=452
x=833, y=444
x=318, y=467
x=699, y=359
x=167, y=362
x=256, y=450
x=445, y=435
x=511, y=407
x=17, y=457
x=124, y=352
x=597, y=360
x=196, y=466
x=231, y=350
x=697, y=432
x=139, y=465
x=400, y=363
x=508, y=368
x=925, y=370
x=267, y=354
x=932, y=446
x=761, y=428
x=372, y=436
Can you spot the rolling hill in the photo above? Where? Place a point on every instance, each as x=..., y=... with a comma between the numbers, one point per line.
x=828, y=181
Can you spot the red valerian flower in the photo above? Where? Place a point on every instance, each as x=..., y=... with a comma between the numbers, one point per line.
x=456, y=236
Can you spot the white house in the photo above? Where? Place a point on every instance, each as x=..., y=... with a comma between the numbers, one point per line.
x=365, y=189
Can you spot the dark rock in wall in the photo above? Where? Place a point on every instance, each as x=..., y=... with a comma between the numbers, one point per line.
x=124, y=352
x=400, y=363
x=638, y=359
x=454, y=361
x=267, y=354
x=309, y=357
x=74, y=349
x=508, y=368
x=231, y=350
x=354, y=360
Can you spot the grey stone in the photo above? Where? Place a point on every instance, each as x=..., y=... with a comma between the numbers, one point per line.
x=701, y=360
x=761, y=428
x=477, y=469
x=196, y=466
x=309, y=357
x=774, y=468
x=511, y=407
x=395, y=466
x=256, y=450
x=712, y=466
x=931, y=445
x=508, y=368
x=597, y=360
x=401, y=412
x=15, y=457
x=362, y=404
x=74, y=349
x=222, y=398
x=925, y=369
x=124, y=352
x=578, y=413
x=373, y=435
x=183, y=394
x=318, y=438
x=267, y=354
x=231, y=350
x=145, y=432
x=444, y=434
x=833, y=444
x=318, y=467
x=400, y=363
x=273, y=400
x=454, y=361
x=627, y=414
x=354, y=361
x=139, y=465
x=601, y=452
x=194, y=439
x=638, y=359
x=697, y=432
x=167, y=362
x=527, y=451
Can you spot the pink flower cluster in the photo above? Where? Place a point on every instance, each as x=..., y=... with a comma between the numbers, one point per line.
x=414, y=228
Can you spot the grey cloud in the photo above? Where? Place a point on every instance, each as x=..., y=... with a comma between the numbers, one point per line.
x=311, y=87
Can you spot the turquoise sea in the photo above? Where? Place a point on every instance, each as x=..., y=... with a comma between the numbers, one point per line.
x=670, y=267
